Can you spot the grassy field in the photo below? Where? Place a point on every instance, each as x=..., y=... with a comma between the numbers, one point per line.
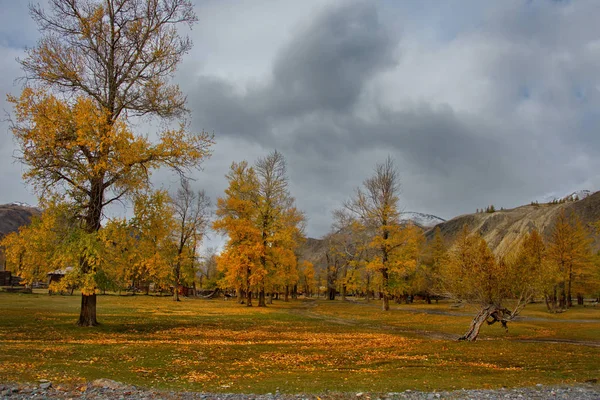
x=300, y=346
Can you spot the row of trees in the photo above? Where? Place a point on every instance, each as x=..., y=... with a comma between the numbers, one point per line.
x=371, y=250
x=157, y=246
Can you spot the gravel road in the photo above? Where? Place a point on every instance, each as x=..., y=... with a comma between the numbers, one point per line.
x=107, y=389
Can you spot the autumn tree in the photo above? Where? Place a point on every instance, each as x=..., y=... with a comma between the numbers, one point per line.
x=434, y=256
x=395, y=244
x=500, y=287
x=97, y=64
x=334, y=264
x=192, y=214
x=121, y=255
x=280, y=223
x=263, y=226
x=528, y=269
x=348, y=248
x=307, y=277
x=39, y=247
x=207, y=270
x=236, y=217
x=151, y=243
x=569, y=250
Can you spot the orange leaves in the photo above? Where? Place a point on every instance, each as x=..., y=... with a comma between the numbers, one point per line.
x=200, y=376
x=236, y=217
x=262, y=224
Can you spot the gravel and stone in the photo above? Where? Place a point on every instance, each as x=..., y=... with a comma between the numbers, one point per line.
x=108, y=389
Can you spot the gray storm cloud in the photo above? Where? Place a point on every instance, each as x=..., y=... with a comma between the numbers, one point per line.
x=498, y=108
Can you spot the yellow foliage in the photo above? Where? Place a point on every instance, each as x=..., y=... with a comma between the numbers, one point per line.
x=263, y=226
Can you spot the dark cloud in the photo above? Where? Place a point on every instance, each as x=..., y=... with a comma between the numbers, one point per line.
x=323, y=69
x=498, y=105
x=326, y=66
x=317, y=109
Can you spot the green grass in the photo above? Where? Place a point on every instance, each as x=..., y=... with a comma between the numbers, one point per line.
x=300, y=346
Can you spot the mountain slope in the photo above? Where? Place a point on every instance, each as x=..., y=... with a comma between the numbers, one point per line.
x=505, y=229
x=13, y=216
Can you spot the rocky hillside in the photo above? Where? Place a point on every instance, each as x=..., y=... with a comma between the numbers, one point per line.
x=314, y=250
x=12, y=216
x=505, y=229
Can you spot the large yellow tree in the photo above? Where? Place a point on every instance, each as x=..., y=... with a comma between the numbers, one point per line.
x=97, y=64
x=263, y=226
x=281, y=224
x=236, y=217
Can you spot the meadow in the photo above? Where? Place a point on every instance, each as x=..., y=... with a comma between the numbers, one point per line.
x=308, y=346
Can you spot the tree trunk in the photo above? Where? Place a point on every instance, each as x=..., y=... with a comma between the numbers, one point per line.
x=569, y=300
x=384, y=271
x=270, y=297
x=287, y=293
x=385, y=296
x=331, y=293
x=480, y=318
x=248, y=290
x=87, y=316
x=177, y=279
x=295, y=292
x=249, y=298
x=261, y=298
x=344, y=277
x=496, y=313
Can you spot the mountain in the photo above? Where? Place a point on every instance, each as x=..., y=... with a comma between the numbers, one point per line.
x=314, y=250
x=505, y=229
x=576, y=195
x=13, y=216
x=421, y=219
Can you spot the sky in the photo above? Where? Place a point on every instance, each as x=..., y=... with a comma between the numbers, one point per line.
x=477, y=102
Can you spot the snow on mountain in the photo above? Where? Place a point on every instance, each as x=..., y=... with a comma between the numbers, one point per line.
x=421, y=219
x=576, y=195
x=20, y=204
